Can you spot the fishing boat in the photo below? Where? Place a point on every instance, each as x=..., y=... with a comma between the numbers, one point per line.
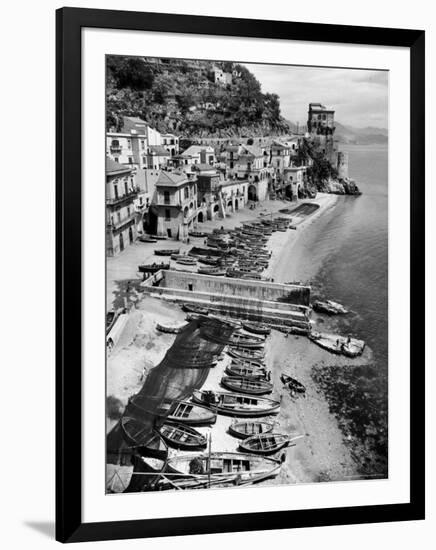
x=174, y=410
x=194, y=308
x=236, y=404
x=239, y=340
x=152, y=268
x=329, y=307
x=249, y=428
x=188, y=260
x=166, y=251
x=264, y=444
x=244, y=353
x=197, y=234
x=350, y=347
x=111, y=317
x=147, y=239
x=246, y=385
x=217, y=469
x=215, y=271
x=249, y=363
x=293, y=384
x=171, y=329
x=208, y=261
x=136, y=432
x=182, y=437
x=256, y=373
x=256, y=328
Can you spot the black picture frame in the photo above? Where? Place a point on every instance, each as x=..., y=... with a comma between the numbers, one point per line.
x=69, y=23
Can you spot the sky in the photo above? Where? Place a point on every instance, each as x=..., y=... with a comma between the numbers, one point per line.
x=359, y=96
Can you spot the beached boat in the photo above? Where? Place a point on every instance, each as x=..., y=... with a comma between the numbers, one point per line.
x=147, y=239
x=194, y=308
x=215, y=271
x=350, y=347
x=329, y=307
x=249, y=363
x=244, y=353
x=197, y=234
x=174, y=410
x=256, y=372
x=208, y=260
x=249, y=428
x=188, y=260
x=292, y=383
x=136, y=432
x=256, y=328
x=111, y=317
x=264, y=444
x=239, y=340
x=197, y=471
x=171, y=329
x=166, y=251
x=182, y=437
x=236, y=404
x=242, y=384
x=152, y=268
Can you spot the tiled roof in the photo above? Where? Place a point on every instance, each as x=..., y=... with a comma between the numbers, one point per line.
x=113, y=167
x=196, y=150
x=159, y=150
x=171, y=179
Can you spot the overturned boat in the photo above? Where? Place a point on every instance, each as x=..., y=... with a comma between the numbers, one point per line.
x=166, y=251
x=293, y=384
x=236, y=404
x=248, y=428
x=246, y=385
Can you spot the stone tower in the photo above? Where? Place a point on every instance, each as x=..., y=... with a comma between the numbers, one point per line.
x=342, y=165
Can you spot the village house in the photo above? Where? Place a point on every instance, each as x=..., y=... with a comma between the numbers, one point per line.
x=121, y=193
x=174, y=206
x=294, y=179
x=197, y=154
x=249, y=163
x=280, y=157
x=171, y=143
x=221, y=77
x=157, y=157
x=126, y=148
x=146, y=183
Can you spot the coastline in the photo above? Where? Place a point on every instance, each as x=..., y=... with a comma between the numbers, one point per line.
x=322, y=454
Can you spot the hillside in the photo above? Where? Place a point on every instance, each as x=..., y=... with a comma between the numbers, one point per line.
x=181, y=96
x=360, y=136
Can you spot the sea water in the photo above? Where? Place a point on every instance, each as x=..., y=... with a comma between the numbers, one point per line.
x=346, y=251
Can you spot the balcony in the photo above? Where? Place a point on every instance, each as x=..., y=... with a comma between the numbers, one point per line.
x=116, y=225
x=115, y=149
x=123, y=199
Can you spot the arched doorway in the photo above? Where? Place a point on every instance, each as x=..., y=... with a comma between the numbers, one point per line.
x=186, y=211
x=121, y=242
x=229, y=204
x=200, y=217
x=130, y=235
x=216, y=208
x=252, y=193
x=236, y=204
x=288, y=192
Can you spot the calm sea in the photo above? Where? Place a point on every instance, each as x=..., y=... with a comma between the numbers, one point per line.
x=348, y=250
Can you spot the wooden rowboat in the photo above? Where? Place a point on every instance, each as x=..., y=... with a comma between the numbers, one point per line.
x=182, y=437
x=245, y=341
x=240, y=353
x=258, y=373
x=236, y=404
x=166, y=251
x=250, y=428
x=264, y=444
x=218, y=469
x=215, y=271
x=188, y=260
x=193, y=308
x=246, y=385
x=174, y=410
x=256, y=328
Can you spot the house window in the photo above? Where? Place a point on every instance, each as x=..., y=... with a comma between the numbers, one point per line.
x=142, y=144
x=167, y=214
x=116, y=191
x=128, y=211
x=186, y=192
x=116, y=159
x=166, y=197
x=119, y=216
x=130, y=160
x=126, y=188
x=129, y=143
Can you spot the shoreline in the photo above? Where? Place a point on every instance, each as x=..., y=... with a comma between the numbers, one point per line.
x=322, y=455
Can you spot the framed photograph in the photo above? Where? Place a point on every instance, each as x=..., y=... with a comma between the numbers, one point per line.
x=240, y=275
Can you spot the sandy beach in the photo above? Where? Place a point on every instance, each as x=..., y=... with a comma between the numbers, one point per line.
x=322, y=454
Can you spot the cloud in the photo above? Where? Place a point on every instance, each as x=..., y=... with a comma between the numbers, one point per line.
x=359, y=96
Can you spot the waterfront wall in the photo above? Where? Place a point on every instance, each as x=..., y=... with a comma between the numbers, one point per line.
x=253, y=300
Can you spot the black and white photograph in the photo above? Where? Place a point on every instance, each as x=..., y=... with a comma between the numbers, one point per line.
x=246, y=274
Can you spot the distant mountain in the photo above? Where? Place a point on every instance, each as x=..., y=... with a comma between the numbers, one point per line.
x=361, y=136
